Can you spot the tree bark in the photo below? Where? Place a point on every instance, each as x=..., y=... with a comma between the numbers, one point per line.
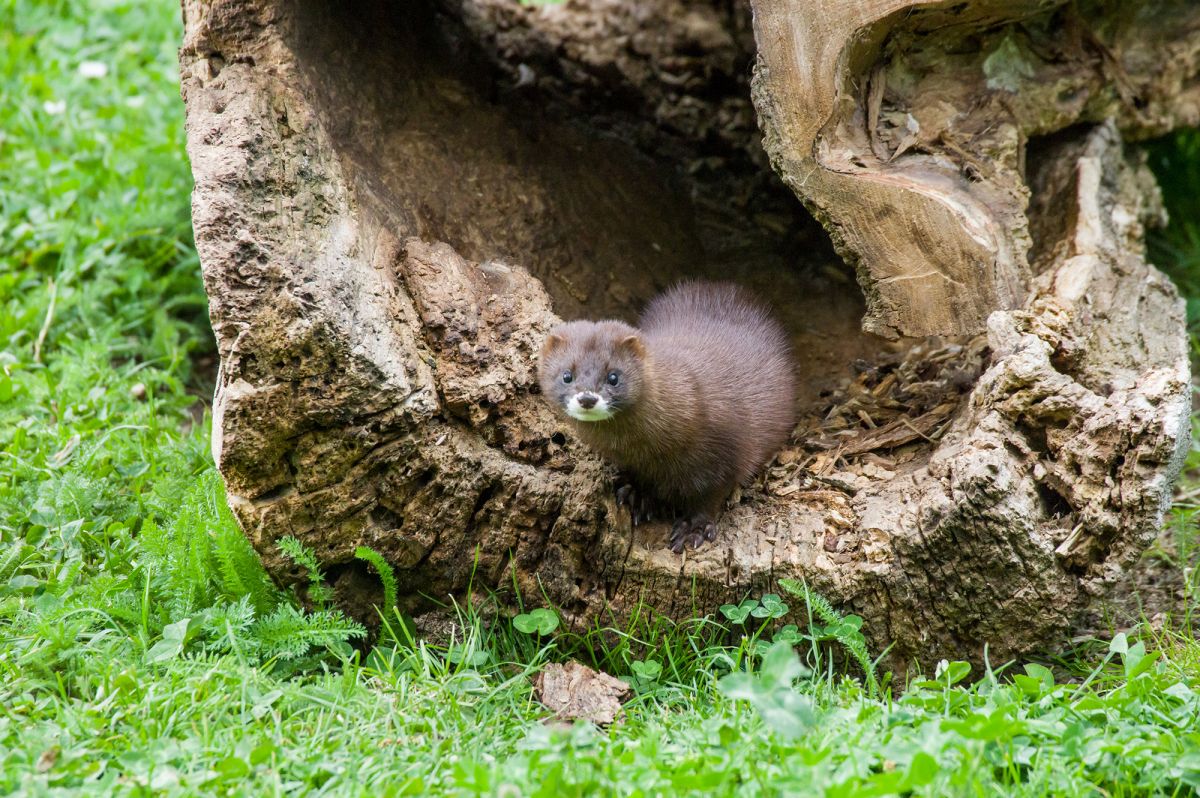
x=394, y=203
x=905, y=125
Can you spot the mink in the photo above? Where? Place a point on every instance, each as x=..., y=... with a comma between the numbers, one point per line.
x=689, y=404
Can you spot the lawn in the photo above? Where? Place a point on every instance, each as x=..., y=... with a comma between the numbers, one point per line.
x=144, y=651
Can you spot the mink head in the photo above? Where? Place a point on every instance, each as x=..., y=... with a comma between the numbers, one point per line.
x=592, y=370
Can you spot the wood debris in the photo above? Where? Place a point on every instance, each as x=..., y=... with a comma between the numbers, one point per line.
x=892, y=410
x=576, y=691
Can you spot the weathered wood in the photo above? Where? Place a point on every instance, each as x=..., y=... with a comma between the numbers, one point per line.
x=390, y=214
x=904, y=125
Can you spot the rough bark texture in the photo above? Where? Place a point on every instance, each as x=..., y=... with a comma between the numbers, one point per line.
x=394, y=202
x=904, y=125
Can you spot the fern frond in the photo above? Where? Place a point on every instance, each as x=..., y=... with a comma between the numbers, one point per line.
x=288, y=633
x=14, y=556
x=850, y=639
x=386, y=574
x=318, y=592
x=303, y=556
x=241, y=572
x=154, y=543
x=226, y=626
x=64, y=579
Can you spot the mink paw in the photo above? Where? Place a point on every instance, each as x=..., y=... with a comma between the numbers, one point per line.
x=641, y=507
x=692, y=533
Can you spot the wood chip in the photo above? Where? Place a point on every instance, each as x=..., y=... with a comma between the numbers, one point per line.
x=841, y=484
x=883, y=462
x=901, y=400
x=885, y=385
x=576, y=691
x=899, y=432
x=1064, y=548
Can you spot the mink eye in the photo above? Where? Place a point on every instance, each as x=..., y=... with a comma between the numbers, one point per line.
x=567, y=376
x=613, y=378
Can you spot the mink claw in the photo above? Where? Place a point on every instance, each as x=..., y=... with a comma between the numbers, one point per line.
x=691, y=533
x=678, y=531
x=641, y=507
x=676, y=543
x=627, y=496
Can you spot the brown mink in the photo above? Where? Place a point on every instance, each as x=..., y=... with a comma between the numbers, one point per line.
x=689, y=404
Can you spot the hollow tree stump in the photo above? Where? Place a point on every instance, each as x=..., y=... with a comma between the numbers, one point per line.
x=394, y=203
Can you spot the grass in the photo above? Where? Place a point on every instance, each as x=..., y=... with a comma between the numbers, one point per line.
x=143, y=650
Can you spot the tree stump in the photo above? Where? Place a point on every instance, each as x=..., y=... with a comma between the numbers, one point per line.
x=394, y=202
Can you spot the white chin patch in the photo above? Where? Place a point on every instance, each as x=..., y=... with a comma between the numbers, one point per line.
x=600, y=412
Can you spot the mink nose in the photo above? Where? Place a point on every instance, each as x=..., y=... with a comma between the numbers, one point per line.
x=588, y=400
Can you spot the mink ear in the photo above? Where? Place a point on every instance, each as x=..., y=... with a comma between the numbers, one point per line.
x=632, y=345
x=553, y=344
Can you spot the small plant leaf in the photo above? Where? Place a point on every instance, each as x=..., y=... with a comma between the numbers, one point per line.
x=922, y=771
x=771, y=606
x=649, y=670
x=1041, y=673
x=952, y=672
x=738, y=613
x=789, y=634
x=540, y=622
x=771, y=691
x=171, y=645
x=466, y=654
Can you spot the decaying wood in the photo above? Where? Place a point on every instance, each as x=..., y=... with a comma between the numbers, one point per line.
x=904, y=126
x=391, y=212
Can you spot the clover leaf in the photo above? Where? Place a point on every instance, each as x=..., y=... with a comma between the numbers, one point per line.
x=647, y=670
x=540, y=621
x=771, y=607
x=789, y=634
x=738, y=613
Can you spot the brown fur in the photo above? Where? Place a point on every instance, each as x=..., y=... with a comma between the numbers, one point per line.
x=706, y=396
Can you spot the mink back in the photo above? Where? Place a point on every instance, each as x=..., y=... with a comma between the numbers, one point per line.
x=738, y=358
